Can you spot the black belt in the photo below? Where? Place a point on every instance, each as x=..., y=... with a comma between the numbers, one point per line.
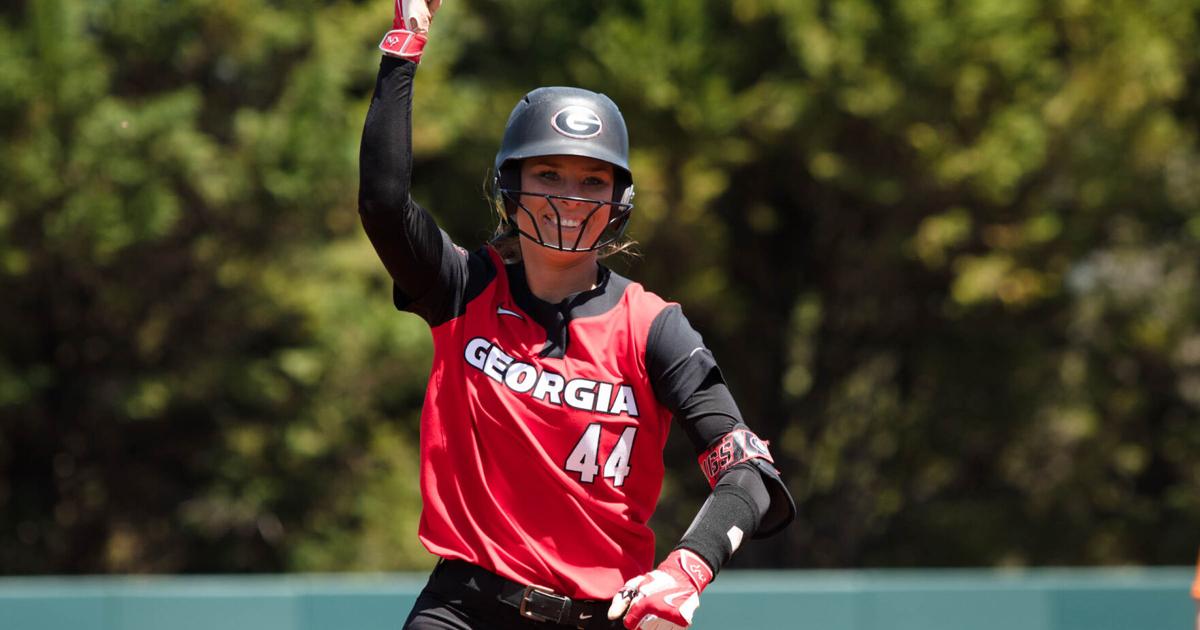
x=474, y=585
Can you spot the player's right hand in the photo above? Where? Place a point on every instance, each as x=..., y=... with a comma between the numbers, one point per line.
x=415, y=15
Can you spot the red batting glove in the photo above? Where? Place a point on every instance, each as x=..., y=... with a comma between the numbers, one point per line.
x=409, y=27
x=665, y=598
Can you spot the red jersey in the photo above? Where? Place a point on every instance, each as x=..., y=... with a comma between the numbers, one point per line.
x=544, y=469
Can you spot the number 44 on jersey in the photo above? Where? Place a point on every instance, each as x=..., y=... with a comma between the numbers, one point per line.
x=585, y=457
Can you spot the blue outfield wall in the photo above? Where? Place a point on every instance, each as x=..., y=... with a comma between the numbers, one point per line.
x=1041, y=599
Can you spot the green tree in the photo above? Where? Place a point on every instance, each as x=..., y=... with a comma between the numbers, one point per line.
x=199, y=367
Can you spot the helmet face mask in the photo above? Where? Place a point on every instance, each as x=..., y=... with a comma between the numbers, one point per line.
x=571, y=122
x=613, y=230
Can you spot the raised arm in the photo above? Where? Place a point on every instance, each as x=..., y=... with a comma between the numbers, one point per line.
x=406, y=237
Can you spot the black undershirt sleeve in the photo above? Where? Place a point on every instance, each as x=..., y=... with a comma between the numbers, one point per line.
x=429, y=271
x=686, y=380
x=731, y=512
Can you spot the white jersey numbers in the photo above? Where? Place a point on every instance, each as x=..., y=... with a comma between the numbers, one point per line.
x=617, y=466
x=585, y=457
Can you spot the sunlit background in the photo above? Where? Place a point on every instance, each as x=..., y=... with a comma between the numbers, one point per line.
x=946, y=253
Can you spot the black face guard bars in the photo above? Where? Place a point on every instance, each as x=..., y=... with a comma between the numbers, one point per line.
x=617, y=221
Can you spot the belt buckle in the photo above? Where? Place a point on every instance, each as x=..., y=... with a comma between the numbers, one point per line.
x=564, y=604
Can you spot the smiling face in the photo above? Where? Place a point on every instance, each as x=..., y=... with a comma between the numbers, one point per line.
x=567, y=220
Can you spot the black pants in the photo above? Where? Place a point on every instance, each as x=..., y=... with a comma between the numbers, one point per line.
x=461, y=596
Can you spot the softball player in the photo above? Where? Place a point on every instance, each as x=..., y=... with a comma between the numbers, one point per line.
x=554, y=380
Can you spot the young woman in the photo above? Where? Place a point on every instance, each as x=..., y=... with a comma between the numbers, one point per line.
x=554, y=380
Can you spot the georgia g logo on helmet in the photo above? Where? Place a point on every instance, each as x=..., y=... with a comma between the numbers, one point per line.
x=577, y=121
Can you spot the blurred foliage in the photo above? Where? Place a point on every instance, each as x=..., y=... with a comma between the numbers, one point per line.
x=946, y=253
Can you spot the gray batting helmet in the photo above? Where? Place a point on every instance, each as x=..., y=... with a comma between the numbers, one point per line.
x=566, y=121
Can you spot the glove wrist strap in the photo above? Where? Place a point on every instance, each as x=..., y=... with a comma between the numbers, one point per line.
x=404, y=44
x=694, y=567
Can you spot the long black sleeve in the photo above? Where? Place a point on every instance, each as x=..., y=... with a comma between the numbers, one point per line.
x=429, y=271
